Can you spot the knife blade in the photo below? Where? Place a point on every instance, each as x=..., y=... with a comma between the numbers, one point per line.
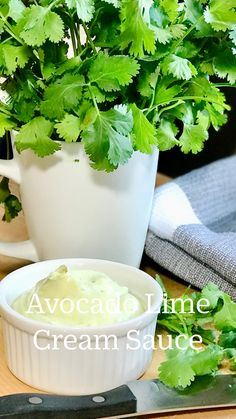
x=134, y=399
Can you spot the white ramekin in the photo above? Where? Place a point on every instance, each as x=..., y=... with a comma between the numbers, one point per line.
x=77, y=371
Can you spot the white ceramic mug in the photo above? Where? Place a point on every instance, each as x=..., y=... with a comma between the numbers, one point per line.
x=72, y=210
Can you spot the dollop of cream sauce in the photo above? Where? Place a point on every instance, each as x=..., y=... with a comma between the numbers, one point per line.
x=78, y=298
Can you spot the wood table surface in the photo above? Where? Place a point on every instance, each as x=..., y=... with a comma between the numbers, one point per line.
x=9, y=384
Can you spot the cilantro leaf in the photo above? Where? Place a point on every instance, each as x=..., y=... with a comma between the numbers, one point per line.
x=67, y=91
x=177, y=31
x=98, y=94
x=39, y=24
x=173, y=46
x=84, y=8
x=193, y=10
x=171, y=8
x=4, y=7
x=12, y=207
x=182, y=366
x=165, y=92
x=172, y=373
x=207, y=361
x=212, y=293
x=225, y=65
x=16, y=8
x=147, y=81
x=87, y=114
x=4, y=189
x=11, y=203
x=69, y=128
x=225, y=318
x=12, y=56
x=208, y=335
x=200, y=86
x=232, y=34
x=107, y=140
x=180, y=67
x=219, y=348
x=135, y=32
x=116, y=3
x=144, y=133
x=112, y=72
x=193, y=136
x=36, y=136
x=231, y=355
x=163, y=35
x=228, y=339
x=6, y=124
x=216, y=115
x=221, y=18
x=166, y=133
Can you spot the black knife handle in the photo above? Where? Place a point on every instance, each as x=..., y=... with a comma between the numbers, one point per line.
x=119, y=401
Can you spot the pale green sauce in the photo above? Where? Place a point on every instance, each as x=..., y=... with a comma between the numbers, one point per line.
x=78, y=298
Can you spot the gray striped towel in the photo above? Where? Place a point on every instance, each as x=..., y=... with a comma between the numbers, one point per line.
x=192, y=230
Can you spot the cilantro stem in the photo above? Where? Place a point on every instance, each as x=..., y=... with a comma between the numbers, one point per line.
x=4, y=110
x=182, y=322
x=72, y=34
x=77, y=33
x=9, y=29
x=172, y=328
x=94, y=101
x=152, y=101
x=6, y=40
x=50, y=6
x=224, y=84
x=186, y=98
x=89, y=38
x=167, y=108
x=177, y=44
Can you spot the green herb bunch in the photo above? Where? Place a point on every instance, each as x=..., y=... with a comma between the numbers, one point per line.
x=142, y=78
x=216, y=327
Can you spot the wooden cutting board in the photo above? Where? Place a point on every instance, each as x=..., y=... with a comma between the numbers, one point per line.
x=9, y=384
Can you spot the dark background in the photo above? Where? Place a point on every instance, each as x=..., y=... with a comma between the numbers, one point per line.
x=174, y=163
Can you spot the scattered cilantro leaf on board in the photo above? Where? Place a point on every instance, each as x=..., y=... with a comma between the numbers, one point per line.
x=225, y=318
x=182, y=366
x=218, y=332
x=172, y=373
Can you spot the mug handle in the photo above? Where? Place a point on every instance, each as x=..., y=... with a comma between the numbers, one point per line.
x=22, y=249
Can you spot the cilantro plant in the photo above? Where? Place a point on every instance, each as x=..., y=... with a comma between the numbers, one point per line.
x=142, y=78
x=217, y=328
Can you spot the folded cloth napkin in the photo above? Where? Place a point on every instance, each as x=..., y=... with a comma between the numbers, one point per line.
x=192, y=230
